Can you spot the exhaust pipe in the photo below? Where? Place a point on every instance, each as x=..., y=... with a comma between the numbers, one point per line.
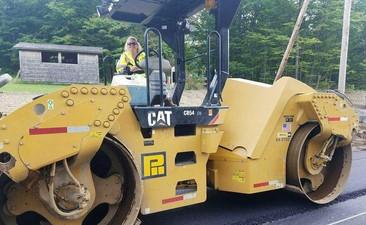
x=4, y=79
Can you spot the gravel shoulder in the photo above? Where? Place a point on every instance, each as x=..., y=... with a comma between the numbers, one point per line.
x=11, y=101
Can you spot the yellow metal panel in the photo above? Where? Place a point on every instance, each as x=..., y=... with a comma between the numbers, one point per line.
x=259, y=128
x=160, y=188
x=334, y=114
x=254, y=111
x=237, y=173
x=210, y=139
x=54, y=126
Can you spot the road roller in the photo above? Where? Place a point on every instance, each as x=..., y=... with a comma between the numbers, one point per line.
x=98, y=154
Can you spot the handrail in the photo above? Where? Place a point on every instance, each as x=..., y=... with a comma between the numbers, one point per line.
x=108, y=63
x=147, y=58
x=219, y=64
x=341, y=95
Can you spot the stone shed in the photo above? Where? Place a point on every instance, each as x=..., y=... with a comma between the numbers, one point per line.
x=58, y=63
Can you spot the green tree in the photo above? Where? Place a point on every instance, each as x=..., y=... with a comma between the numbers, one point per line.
x=259, y=36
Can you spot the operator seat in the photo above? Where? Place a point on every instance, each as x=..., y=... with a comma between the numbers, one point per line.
x=154, y=78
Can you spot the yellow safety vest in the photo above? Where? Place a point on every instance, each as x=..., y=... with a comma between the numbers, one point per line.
x=127, y=59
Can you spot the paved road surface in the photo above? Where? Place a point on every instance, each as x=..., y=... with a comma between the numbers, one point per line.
x=279, y=207
x=351, y=212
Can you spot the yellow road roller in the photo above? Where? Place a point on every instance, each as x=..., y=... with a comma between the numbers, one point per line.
x=92, y=154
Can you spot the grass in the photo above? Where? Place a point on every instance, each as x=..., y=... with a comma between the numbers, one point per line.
x=195, y=82
x=30, y=87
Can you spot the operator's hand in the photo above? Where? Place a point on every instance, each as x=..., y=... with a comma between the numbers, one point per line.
x=134, y=69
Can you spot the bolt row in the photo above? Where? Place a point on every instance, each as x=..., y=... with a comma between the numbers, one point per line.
x=324, y=96
x=104, y=91
x=93, y=91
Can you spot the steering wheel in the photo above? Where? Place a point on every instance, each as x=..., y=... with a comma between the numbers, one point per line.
x=154, y=52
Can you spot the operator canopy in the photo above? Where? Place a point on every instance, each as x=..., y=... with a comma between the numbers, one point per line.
x=169, y=17
x=150, y=12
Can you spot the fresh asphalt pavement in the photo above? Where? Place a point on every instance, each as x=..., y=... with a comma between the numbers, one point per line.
x=351, y=212
x=277, y=207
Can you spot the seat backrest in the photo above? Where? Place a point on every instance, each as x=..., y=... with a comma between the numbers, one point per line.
x=155, y=86
x=154, y=65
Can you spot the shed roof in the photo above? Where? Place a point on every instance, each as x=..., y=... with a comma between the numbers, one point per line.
x=59, y=48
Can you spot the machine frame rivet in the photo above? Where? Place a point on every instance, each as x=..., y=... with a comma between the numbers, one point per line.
x=84, y=90
x=97, y=123
x=122, y=92
x=69, y=102
x=125, y=98
x=121, y=105
x=116, y=111
x=113, y=91
x=94, y=91
x=111, y=117
x=104, y=91
x=74, y=90
x=65, y=94
x=106, y=124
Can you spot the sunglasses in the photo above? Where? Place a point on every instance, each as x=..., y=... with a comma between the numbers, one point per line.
x=132, y=44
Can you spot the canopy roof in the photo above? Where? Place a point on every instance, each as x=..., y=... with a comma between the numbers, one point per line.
x=151, y=12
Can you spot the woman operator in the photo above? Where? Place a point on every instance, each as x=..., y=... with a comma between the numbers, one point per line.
x=126, y=64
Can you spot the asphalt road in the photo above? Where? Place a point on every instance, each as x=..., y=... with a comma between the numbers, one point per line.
x=278, y=207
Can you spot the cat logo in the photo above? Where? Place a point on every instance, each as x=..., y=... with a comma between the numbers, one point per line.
x=153, y=165
x=160, y=118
